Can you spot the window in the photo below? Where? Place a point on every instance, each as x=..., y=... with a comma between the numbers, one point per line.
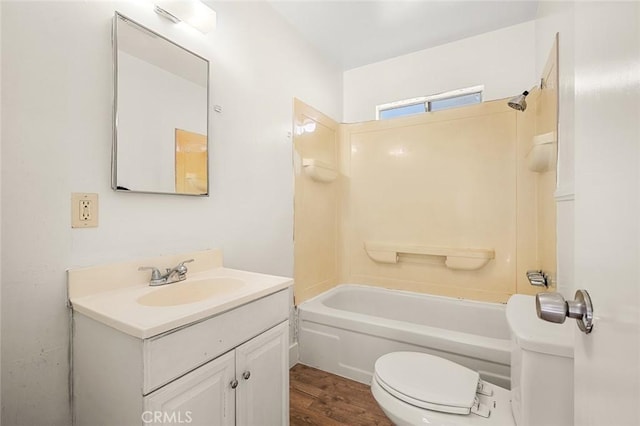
x=402, y=110
x=441, y=101
x=456, y=101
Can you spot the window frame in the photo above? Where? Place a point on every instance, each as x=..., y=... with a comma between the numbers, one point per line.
x=426, y=100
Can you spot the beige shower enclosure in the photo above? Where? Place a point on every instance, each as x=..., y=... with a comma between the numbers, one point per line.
x=457, y=203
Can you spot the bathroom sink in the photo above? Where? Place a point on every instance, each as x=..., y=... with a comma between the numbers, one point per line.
x=190, y=291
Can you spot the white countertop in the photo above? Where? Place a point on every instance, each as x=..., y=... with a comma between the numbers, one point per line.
x=118, y=308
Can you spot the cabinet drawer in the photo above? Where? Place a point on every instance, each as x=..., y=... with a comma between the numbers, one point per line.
x=171, y=355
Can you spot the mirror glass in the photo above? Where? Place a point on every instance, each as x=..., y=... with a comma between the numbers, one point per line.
x=161, y=114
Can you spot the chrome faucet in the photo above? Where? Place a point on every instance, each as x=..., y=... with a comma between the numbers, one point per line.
x=173, y=275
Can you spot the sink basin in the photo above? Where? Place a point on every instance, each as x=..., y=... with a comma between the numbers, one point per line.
x=190, y=291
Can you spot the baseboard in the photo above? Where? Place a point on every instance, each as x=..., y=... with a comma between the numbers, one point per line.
x=566, y=193
x=294, y=354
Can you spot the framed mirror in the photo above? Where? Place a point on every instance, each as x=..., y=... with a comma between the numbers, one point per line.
x=161, y=120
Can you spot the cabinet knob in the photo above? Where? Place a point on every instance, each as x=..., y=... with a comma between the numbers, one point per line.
x=234, y=384
x=246, y=375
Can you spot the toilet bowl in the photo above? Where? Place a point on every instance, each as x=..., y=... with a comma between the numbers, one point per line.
x=420, y=389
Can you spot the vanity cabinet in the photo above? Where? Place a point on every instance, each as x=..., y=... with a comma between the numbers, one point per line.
x=248, y=386
x=229, y=369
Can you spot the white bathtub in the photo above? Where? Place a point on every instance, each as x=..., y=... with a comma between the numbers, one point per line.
x=345, y=330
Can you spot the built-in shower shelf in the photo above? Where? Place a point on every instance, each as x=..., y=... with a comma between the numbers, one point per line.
x=467, y=259
x=319, y=170
x=542, y=153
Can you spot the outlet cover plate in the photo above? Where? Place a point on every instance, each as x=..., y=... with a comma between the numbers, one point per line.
x=84, y=204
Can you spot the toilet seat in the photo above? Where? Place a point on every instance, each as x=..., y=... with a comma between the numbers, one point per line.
x=428, y=382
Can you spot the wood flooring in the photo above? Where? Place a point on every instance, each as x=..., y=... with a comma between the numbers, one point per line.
x=324, y=399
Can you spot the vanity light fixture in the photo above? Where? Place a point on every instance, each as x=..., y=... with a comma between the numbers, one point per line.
x=192, y=12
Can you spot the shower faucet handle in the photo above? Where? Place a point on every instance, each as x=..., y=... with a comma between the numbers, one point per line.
x=538, y=278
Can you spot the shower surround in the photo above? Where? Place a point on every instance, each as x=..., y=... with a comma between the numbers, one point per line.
x=440, y=203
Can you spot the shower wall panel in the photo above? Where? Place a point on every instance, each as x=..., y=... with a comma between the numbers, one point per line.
x=316, y=202
x=446, y=179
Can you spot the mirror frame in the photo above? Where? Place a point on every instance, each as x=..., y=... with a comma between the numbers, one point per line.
x=114, y=149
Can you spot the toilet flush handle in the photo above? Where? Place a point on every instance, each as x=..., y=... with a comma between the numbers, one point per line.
x=553, y=308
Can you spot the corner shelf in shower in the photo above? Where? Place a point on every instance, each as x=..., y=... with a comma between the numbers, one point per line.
x=319, y=170
x=466, y=259
x=542, y=153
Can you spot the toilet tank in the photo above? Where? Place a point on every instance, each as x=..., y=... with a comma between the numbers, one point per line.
x=541, y=366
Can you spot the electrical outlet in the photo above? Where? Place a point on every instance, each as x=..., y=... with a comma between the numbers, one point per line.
x=84, y=210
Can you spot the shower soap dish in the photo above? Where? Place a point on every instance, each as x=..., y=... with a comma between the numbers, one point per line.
x=542, y=153
x=466, y=259
x=319, y=171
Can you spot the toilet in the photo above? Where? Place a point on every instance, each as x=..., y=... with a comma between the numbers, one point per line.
x=415, y=388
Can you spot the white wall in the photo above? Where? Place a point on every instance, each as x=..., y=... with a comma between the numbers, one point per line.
x=56, y=139
x=152, y=104
x=502, y=60
x=558, y=17
x=0, y=220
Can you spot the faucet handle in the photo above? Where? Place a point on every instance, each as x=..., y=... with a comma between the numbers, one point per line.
x=181, y=268
x=155, y=272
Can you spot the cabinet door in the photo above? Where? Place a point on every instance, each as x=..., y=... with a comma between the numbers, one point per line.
x=203, y=397
x=262, y=366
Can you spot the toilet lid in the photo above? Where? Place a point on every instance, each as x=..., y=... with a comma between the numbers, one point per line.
x=428, y=381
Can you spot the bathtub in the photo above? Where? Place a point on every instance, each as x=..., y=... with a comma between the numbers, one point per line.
x=347, y=328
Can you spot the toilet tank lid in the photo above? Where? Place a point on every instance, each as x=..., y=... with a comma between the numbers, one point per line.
x=533, y=334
